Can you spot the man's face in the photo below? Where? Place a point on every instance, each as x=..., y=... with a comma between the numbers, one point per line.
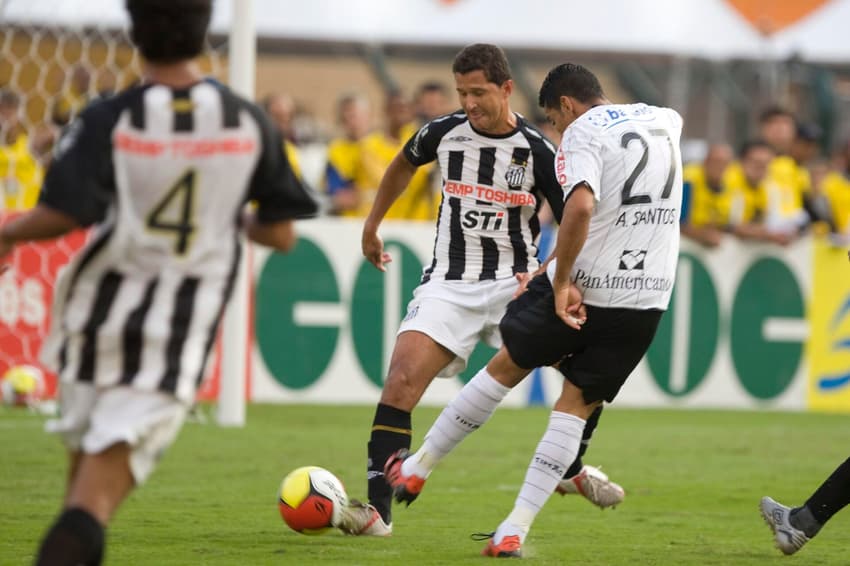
x=559, y=117
x=716, y=161
x=779, y=131
x=9, y=117
x=398, y=112
x=755, y=164
x=282, y=111
x=356, y=118
x=432, y=104
x=485, y=103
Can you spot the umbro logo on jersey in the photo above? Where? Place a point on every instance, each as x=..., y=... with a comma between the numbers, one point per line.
x=515, y=175
x=459, y=139
x=632, y=259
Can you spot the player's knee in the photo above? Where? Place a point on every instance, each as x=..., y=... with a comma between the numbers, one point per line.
x=404, y=387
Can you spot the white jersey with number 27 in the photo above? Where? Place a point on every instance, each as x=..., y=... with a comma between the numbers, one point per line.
x=629, y=157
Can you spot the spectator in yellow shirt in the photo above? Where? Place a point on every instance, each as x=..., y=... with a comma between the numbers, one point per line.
x=345, y=179
x=705, y=206
x=744, y=184
x=431, y=101
x=786, y=185
x=377, y=150
x=836, y=188
x=20, y=172
x=281, y=109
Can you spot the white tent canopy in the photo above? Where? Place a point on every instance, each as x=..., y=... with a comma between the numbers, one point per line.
x=699, y=28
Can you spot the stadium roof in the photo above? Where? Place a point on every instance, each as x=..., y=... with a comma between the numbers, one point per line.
x=714, y=29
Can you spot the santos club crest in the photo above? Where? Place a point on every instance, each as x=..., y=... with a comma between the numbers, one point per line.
x=515, y=175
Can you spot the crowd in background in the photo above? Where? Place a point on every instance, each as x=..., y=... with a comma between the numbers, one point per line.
x=775, y=187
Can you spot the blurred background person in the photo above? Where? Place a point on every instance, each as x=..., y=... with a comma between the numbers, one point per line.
x=280, y=107
x=705, y=205
x=786, y=185
x=345, y=180
x=20, y=172
x=744, y=184
x=431, y=101
x=835, y=188
x=377, y=150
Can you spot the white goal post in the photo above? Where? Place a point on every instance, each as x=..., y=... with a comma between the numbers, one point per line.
x=235, y=348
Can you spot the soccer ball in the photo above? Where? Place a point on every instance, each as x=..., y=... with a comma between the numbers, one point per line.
x=22, y=385
x=311, y=500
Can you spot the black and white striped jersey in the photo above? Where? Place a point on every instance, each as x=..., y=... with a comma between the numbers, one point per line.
x=163, y=174
x=492, y=188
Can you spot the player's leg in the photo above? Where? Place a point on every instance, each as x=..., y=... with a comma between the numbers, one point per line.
x=415, y=361
x=589, y=481
x=793, y=527
x=464, y=414
x=114, y=445
x=556, y=449
x=479, y=398
x=100, y=484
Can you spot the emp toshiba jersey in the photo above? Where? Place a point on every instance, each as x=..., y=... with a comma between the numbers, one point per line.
x=163, y=174
x=487, y=225
x=629, y=157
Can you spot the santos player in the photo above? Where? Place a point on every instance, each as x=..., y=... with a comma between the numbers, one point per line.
x=496, y=170
x=595, y=311
x=162, y=171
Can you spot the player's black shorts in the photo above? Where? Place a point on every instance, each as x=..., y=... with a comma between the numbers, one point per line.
x=597, y=359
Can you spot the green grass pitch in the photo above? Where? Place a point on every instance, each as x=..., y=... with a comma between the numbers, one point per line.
x=693, y=480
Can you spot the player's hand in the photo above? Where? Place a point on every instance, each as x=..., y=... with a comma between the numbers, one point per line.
x=373, y=250
x=522, y=280
x=568, y=306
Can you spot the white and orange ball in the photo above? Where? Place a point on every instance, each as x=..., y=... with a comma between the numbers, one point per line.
x=22, y=385
x=311, y=500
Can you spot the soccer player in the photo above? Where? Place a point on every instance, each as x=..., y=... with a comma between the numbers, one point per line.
x=162, y=171
x=596, y=309
x=792, y=528
x=496, y=169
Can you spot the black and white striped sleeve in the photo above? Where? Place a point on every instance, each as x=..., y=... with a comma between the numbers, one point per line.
x=278, y=192
x=80, y=180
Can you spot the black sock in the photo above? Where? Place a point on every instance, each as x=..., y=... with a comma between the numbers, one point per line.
x=391, y=431
x=75, y=538
x=589, y=427
x=832, y=495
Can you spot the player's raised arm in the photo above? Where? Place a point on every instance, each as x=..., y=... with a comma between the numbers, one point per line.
x=395, y=180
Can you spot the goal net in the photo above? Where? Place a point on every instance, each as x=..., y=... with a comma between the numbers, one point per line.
x=55, y=57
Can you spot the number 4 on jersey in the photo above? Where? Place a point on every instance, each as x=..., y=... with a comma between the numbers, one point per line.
x=174, y=212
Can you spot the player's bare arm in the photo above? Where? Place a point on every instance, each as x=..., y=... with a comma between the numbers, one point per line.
x=40, y=223
x=395, y=180
x=571, y=237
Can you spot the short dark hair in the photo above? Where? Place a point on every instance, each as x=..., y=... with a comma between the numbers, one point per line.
x=167, y=31
x=9, y=98
x=432, y=86
x=569, y=79
x=775, y=111
x=750, y=145
x=483, y=57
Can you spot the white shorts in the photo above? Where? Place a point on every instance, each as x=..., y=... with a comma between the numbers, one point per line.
x=457, y=315
x=92, y=419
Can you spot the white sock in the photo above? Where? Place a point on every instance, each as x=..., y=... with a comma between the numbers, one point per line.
x=470, y=409
x=556, y=451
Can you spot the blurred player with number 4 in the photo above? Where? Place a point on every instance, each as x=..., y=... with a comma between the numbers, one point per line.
x=162, y=172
